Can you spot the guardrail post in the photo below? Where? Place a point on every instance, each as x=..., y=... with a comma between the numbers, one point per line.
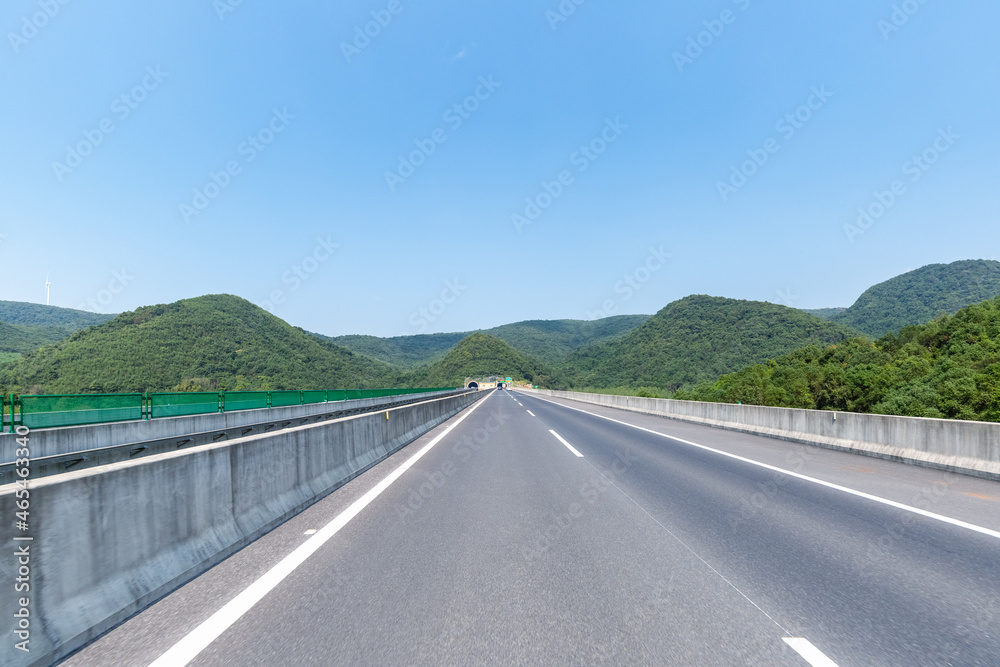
x=222, y=401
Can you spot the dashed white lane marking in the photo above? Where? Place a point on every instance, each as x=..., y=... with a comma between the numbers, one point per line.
x=812, y=655
x=568, y=446
x=198, y=639
x=806, y=478
x=531, y=413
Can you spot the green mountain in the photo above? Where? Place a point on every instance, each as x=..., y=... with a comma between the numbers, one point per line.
x=37, y=315
x=698, y=338
x=919, y=296
x=947, y=368
x=216, y=341
x=405, y=352
x=480, y=354
x=28, y=326
x=20, y=339
x=548, y=340
x=553, y=340
x=825, y=313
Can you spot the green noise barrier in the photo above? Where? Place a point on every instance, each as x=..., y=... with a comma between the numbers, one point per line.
x=81, y=409
x=78, y=409
x=179, y=404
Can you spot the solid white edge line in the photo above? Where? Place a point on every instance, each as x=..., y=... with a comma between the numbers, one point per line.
x=531, y=413
x=812, y=655
x=830, y=485
x=198, y=639
x=568, y=446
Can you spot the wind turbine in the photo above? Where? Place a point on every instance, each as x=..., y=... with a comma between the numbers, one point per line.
x=48, y=287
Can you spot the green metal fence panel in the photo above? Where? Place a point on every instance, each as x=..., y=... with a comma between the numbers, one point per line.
x=313, y=397
x=79, y=409
x=243, y=400
x=281, y=399
x=38, y=411
x=178, y=404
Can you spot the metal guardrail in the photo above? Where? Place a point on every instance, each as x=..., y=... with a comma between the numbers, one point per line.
x=49, y=411
x=90, y=458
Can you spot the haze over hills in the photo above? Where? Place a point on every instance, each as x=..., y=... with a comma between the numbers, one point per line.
x=209, y=342
x=28, y=326
x=548, y=340
x=38, y=315
x=697, y=338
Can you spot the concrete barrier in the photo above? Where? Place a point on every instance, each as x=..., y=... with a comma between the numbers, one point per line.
x=69, y=439
x=967, y=447
x=110, y=540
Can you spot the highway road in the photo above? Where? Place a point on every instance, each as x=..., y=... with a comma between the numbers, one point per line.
x=530, y=530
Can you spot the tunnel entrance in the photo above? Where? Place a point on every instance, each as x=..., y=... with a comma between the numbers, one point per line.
x=473, y=385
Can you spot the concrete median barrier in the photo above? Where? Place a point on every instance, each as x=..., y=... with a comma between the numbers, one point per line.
x=966, y=447
x=108, y=541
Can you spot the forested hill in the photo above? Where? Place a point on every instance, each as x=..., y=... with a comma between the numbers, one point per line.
x=548, y=340
x=478, y=355
x=919, y=296
x=37, y=315
x=947, y=368
x=210, y=342
x=698, y=338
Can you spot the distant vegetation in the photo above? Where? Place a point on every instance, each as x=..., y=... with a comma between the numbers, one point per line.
x=25, y=327
x=404, y=352
x=548, y=340
x=947, y=368
x=700, y=348
x=919, y=296
x=825, y=313
x=478, y=355
x=17, y=339
x=37, y=315
x=211, y=342
x=698, y=338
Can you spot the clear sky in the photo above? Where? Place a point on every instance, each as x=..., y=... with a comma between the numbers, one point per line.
x=603, y=157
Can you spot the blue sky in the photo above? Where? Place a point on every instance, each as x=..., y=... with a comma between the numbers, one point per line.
x=277, y=152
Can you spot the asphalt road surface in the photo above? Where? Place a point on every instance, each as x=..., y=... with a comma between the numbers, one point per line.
x=543, y=531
